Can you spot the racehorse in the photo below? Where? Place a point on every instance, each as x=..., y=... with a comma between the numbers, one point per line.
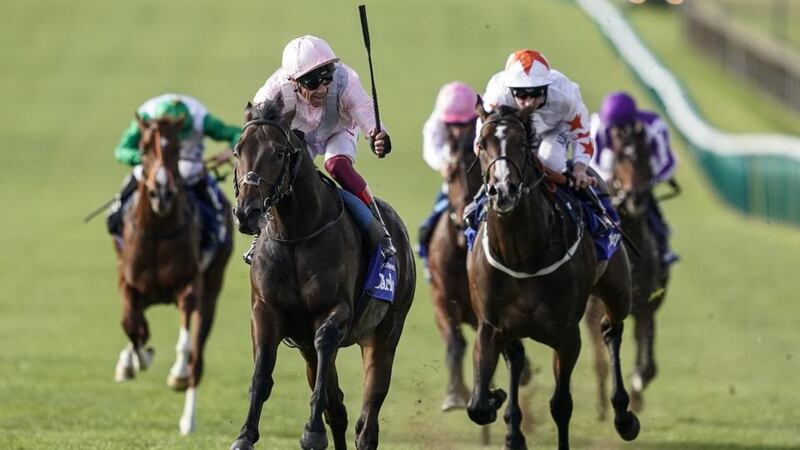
x=306, y=280
x=447, y=259
x=631, y=189
x=531, y=271
x=159, y=262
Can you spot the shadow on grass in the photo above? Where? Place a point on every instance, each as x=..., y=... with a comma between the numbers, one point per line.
x=688, y=445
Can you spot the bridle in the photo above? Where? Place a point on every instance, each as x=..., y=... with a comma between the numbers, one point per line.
x=286, y=176
x=525, y=187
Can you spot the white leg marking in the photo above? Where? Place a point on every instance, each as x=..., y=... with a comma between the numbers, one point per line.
x=183, y=349
x=187, y=423
x=124, y=370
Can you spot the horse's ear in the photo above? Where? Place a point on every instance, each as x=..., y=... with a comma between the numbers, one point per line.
x=248, y=112
x=286, y=119
x=525, y=114
x=482, y=113
x=140, y=121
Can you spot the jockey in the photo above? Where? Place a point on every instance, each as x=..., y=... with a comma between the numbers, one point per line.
x=453, y=114
x=560, y=116
x=197, y=124
x=560, y=119
x=330, y=108
x=618, y=119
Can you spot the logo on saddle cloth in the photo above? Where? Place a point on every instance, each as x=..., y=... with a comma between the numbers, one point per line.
x=381, y=277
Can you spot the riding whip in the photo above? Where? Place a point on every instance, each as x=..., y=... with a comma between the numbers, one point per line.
x=362, y=10
x=100, y=209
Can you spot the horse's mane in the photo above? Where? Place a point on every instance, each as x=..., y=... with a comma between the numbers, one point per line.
x=504, y=110
x=268, y=109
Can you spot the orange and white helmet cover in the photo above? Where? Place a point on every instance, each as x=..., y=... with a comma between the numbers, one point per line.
x=527, y=68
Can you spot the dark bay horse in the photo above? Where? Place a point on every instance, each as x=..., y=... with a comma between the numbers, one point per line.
x=306, y=281
x=160, y=262
x=531, y=272
x=632, y=194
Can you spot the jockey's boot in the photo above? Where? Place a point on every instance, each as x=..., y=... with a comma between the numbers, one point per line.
x=469, y=211
x=387, y=248
x=248, y=255
x=115, y=212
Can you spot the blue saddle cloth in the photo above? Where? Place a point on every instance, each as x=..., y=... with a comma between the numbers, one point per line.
x=606, y=238
x=381, y=276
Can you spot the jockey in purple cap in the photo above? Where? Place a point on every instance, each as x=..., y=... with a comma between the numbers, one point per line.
x=619, y=119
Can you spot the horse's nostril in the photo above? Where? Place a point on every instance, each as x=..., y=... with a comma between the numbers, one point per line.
x=512, y=189
x=152, y=194
x=492, y=191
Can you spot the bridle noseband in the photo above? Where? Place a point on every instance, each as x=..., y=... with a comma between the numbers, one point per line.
x=289, y=168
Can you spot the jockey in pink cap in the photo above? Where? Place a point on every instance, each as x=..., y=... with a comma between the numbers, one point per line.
x=453, y=115
x=330, y=107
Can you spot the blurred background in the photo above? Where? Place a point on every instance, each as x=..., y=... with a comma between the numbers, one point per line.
x=74, y=72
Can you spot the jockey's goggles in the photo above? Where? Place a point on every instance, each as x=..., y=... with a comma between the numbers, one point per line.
x=529, y=92
x=320, y=76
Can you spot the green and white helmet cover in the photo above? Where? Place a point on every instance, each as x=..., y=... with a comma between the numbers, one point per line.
x=174, y=107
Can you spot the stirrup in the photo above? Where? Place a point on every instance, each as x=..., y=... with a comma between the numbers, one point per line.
x=250, y=253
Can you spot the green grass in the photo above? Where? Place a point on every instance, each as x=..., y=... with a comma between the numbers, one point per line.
x=74, y=72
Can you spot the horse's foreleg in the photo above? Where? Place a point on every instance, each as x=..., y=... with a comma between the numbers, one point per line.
x=326, y=343
x=564, y=359
x=645, y=370
x=514, y=354
x=134, y=356
x=178, y=377
x=378, y=358
x=336, y=413
x=267, y=335
x=483, y=404
x=448, y=320
x=625, y=422
x=594, y=314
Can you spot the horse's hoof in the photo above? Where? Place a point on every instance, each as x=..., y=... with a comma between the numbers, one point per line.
x=482, y=416
x=497, y=397
x=123, y=374
x=241, y=444
x=628, y=427
x=454, y=401
x=177, y=383
x=143, y=359
x=515, y=444
x=314, y=440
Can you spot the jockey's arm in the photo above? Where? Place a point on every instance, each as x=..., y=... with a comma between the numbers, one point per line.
x=127, y=151
x=582, y=145
x=219, y=131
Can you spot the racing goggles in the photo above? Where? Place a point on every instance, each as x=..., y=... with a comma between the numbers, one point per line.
x=320, y=76
x=529, y=92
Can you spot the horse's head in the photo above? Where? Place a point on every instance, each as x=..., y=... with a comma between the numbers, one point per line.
x=507, y=158
x=632, y=182
x=462, y=181
x=267, y=160
x=160, y=147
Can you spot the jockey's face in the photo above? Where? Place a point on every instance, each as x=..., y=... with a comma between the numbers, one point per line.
x=526, y=97
x=460, y=129
x=316, y=97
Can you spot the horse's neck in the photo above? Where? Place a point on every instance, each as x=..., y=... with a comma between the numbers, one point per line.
x=308, y=207
x=525, y=233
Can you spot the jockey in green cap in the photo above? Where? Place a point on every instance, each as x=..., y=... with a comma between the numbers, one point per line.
x=197, y=124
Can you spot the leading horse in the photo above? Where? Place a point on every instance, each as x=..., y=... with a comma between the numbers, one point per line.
x=306, y=281
x=160, y=262
x=631, y=188
x=531, y=272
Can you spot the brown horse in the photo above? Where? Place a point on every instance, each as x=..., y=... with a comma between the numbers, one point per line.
x=306, y=281
x=447, y=259
x=631, y=189
x=160, y=262
x=531, y=272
